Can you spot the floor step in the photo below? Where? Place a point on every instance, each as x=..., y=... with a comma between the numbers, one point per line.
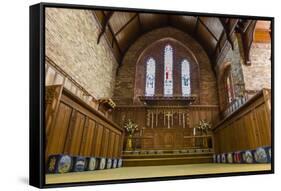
x=164, y=155
x=167, y=160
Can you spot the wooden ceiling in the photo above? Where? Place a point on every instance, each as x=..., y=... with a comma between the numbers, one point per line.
x=123, y=28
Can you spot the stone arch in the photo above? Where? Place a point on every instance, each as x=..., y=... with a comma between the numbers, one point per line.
x=125, y=80
x=156, y=50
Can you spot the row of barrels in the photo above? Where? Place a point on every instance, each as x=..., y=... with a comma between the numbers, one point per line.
x=258, y=155
x=67, y=163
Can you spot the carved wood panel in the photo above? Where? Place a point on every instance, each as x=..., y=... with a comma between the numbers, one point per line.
x=163, y=138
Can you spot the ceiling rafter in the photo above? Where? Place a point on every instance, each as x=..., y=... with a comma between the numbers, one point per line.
x=104, y=24
x=228, y=33
x=196, y=26
x=121, y=43
x=207, y=28
x=218, y=46
x=244, y=25
x=114, y=40
x=247, y=38
x=140, y=24
x=169, y=20
x=126, y=24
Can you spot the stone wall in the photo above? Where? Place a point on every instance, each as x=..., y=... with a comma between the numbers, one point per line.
x=71, y=43
x=258, y=74
x=125, y=80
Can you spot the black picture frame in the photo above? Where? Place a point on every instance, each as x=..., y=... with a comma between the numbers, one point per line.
x=37, y=93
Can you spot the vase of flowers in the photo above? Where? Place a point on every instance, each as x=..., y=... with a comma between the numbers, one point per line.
x=204, y=128
x=130, y=128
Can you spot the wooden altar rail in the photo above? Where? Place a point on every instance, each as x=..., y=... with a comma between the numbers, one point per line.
x=74, y=127
x=248, y=127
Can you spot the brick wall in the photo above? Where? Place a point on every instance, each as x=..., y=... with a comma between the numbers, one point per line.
x=255, y=76
x=234, y=57
x=156, y=51
x=258, y=74
x=71, y=43
x=126, y=81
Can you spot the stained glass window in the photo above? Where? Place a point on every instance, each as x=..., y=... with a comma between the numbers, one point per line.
x=150, y=77
x=168, y=71
x=185, y=78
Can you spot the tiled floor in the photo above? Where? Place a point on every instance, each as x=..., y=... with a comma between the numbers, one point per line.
x=153, y=171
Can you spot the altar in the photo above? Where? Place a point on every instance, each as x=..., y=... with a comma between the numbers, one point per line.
x=163, y=138
x=170, y=139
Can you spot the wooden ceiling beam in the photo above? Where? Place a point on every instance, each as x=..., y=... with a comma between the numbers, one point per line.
x=141, y=28
x=104, y=24
x=247, y=39
x=169, y=20
x=206, y=27
x=227, y=32
x=115, y=40
x=196, y=26
x=244, y=26
x=218, y=44
x=126, y=24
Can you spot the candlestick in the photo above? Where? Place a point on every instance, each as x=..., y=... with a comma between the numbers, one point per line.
x=194, y=131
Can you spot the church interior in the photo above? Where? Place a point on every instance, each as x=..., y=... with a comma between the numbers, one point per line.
x=137, y=95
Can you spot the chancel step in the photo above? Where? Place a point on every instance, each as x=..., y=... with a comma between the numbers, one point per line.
x=154, y=158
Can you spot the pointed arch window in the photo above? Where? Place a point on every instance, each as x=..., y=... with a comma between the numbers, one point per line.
x=228, y=86
x=185, y=78
x=150, y=77
x=168, y=70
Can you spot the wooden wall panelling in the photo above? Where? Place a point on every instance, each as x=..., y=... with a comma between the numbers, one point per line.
x=263, y=121
x=88, y=138
x=121, y=144
x=82, y=109
x=250, y=120
x=111, y=144
x=52, y=97
x=59, y=79
x=247, y=128
x=78, y=129
x=75, y=133
x=105, y=140
x=50, y=76
x=98, y=140
x=116, y=146
x=196, y=117
x=57, y=136
x=179, y=141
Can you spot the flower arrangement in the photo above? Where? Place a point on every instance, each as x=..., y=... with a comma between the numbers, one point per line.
x=130, y=127
x=203, y=126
